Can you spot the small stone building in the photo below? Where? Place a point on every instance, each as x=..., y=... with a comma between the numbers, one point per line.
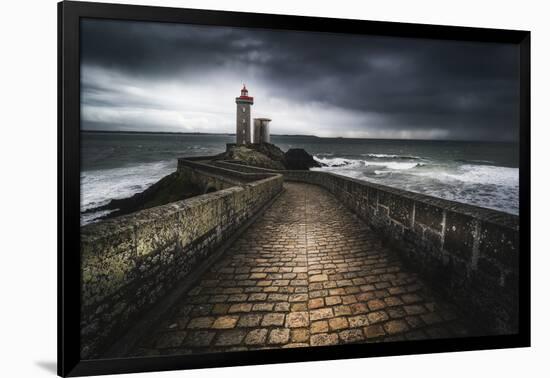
x=261, y=130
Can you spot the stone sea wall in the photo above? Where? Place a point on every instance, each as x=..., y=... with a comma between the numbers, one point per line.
x=130, y=262
x=470, y=254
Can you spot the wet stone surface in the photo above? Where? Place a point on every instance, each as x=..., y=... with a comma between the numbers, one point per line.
x=307, y=273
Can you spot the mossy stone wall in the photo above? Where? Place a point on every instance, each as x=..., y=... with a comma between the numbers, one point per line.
x=130, y=262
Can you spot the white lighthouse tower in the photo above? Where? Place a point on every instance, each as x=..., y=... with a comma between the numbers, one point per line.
x=243, y=117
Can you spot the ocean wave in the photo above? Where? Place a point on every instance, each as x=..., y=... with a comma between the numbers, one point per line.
x=476, y=174
x=485, y=162
x=487, y=186
x=392, y=156
x=337, y=162
x=100, y=186
x=356, y=163
x=325, y=154
x=93, y=216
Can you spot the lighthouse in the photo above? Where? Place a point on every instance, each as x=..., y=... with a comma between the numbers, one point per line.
x=243, y=117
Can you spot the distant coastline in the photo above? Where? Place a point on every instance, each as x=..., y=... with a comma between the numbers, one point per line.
x=291, y=135
x=192, y=133
x=150, y=132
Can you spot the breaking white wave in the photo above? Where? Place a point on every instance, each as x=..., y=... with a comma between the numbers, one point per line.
x=91, y=217
x=392, y=156
x=337, y=162
x=354, y=163
x=325, y=154
x=476, y=174
x=479, y=184
x=100, y=186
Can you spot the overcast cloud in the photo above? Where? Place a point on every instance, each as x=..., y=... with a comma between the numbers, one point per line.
x=171, y=77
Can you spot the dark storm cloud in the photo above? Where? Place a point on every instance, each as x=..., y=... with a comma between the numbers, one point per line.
x=467, y=90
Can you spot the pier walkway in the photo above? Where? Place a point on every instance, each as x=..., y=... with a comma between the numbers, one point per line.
x=307, y=273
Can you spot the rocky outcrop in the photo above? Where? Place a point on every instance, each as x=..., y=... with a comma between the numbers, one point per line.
x=270, y=150
x=173, y=187
x=255, y=156
x=267, y=155
x=299, y=159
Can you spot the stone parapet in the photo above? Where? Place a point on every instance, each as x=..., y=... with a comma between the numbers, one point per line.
x=130, y=262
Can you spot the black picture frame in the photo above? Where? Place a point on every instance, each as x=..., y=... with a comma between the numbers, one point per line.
x=69, y=14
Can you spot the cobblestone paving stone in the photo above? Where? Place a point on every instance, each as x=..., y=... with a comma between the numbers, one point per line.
x=307, y=273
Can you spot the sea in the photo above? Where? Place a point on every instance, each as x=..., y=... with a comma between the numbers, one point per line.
x=486, y=174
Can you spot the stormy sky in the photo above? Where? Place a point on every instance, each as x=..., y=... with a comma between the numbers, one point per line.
x=172, y=77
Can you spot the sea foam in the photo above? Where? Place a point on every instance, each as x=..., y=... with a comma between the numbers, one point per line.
x=98, y=187
x=358, y=163
x=479, y=184
x=477, y=174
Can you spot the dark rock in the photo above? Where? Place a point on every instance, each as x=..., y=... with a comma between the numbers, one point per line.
x=299, y=159
x=258, y=155
x=270, y=150
x=170, y=188
x=267, y=155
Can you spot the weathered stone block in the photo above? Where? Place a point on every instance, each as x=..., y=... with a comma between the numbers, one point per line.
x=489, y=267
x=372, y=197
x=199, y=339
x=152, y=233
x=433, y=239
x=374, y=331
x=396, y=326
x=256, y=337
x=107, y=239
x=459, y=234
x=224, y=322
x=401, y=209
x=322, y=339
x=351, y=336
x=429, y=215
x=232, y=337
x=338, y=323
x=102, y=277
x=279, y=336
x=299, y=335
x=274, y=319
x=501, y=244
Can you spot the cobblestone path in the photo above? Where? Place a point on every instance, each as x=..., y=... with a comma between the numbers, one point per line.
x=307, y=273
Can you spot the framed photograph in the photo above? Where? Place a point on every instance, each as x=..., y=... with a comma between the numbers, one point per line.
x=239, y=188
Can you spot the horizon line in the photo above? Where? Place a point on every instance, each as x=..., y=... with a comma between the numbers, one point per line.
x=292, y=135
